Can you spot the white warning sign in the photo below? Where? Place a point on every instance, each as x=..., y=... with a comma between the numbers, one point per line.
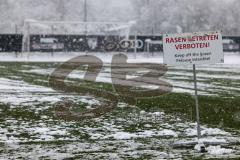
x=193, y=48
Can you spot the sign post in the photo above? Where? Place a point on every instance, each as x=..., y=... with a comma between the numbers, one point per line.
x=192, y=49
x=196, y=102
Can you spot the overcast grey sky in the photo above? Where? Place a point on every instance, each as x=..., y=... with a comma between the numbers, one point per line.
x=121, y=3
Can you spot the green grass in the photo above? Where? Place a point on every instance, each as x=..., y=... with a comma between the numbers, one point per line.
x=215, y=110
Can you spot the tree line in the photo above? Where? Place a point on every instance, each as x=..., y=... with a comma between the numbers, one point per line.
x=152, y=16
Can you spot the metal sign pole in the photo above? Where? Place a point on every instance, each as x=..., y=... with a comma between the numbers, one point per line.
x=197, y=104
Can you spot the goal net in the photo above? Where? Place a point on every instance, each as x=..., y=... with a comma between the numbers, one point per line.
x=71, y=28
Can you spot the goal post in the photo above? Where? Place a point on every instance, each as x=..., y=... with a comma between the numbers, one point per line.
x=32, y=27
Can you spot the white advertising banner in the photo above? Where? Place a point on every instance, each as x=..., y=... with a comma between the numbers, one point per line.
x=193, y=48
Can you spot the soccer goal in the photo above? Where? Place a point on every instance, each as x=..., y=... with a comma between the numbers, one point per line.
x=107, y=29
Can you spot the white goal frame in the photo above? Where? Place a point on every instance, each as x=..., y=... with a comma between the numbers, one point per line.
x=85, y=28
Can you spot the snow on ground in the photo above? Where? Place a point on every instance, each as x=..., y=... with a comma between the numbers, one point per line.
x=179, y=79
x=229, y=58
x=217, y=150
x=126, y=133
x=17, y=92
x=13, y=86
x=64, y=56
x=214, y=150
x=206, y=131
x=104, y=137
x=145, y=134
x=225, y=78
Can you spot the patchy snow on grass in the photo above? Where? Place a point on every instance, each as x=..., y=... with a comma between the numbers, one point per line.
x=39, y=71
x=218, y=150
x=100, y=137
x=213, y=140
x=180, y=77
x=144, y=134
x=13, y=86
x=206, y=131
x=127, y=132
x=16, y=92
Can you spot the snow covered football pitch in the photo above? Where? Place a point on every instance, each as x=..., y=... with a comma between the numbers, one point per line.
x=157, y=128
